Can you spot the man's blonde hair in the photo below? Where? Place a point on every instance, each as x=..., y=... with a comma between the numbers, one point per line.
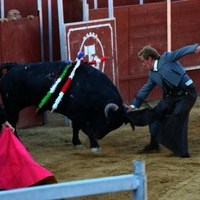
x=149, y=51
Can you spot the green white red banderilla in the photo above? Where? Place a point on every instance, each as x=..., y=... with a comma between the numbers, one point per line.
x=68, y=82
x=54, y=86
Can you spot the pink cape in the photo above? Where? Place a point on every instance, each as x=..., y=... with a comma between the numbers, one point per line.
x=17, y=167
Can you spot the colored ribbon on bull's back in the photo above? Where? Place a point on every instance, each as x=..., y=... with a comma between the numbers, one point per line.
x=97, y=61
x=54, y=86
x=68, y=82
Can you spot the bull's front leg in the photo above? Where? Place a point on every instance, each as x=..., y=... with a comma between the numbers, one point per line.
x=75, y=138
x=94, y=146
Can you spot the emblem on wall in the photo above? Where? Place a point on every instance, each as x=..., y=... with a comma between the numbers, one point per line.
x=98, y=42
x=93, y=50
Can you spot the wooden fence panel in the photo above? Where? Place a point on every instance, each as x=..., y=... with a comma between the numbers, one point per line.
x=20, y=42
x=140, y=25
x=96, y=39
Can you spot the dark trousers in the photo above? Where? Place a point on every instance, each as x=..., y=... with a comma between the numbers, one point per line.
x=171, y=130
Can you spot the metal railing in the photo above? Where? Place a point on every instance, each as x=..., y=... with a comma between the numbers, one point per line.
x=135, y=182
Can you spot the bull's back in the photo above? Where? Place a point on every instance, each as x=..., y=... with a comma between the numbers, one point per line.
x=29, y=82
x=91, y=90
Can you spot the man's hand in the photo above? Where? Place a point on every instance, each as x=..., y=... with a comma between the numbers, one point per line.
x=7, y=124
x=130, y=107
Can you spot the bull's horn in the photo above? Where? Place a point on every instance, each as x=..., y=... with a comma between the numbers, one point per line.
x=109, y=106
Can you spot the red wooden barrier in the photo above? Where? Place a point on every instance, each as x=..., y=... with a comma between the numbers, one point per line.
x=136, y=26
x=104, y=3
x=20, y=42
x=140, y=25
x=96, y=39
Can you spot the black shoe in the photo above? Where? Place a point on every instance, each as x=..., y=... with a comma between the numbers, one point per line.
x=150, y=149
x=187, y=155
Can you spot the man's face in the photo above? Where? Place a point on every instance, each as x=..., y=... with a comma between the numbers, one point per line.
x=147, y=63
x=14, y=14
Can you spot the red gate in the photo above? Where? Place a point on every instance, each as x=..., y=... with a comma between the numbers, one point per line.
x=96, y=39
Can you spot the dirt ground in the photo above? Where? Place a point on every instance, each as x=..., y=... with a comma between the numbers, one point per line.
x=168, y=177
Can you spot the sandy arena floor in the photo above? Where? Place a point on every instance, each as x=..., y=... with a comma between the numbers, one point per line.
x=168, y=177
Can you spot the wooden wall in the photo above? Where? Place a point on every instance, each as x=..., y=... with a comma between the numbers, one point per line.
x=140, y=25
x=104, y=3
x=20, y=42
x=136, y=26
x=72, y=13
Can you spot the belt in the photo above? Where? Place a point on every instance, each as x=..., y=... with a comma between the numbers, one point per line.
x=182, y=92
x=190, y=87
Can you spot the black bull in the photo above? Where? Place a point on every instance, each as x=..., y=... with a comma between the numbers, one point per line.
x=92, y=101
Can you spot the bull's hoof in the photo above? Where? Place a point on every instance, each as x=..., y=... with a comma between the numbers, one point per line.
x=95, y=149
x=79, y=147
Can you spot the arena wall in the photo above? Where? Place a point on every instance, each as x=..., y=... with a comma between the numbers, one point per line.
x=136, y=26
x=140, y=25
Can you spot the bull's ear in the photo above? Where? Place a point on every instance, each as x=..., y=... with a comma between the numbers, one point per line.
x=5, y=67
x=3, y=71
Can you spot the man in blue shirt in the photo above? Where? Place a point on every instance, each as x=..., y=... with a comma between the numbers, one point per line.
x=179, y=96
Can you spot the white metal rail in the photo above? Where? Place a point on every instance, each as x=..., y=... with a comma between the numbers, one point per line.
x=135, y=182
